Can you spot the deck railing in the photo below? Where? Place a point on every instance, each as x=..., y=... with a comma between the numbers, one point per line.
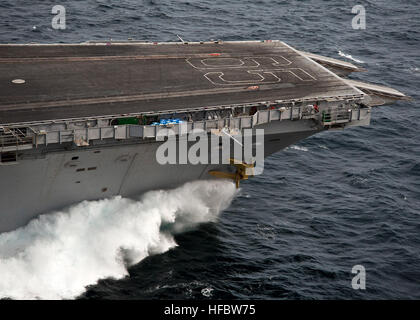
x=16, y=139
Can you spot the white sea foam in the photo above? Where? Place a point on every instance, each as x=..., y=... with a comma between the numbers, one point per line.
x=415, y=70
x=348, y=56
x=299, y=148
x=57, y=255
x=207, y=292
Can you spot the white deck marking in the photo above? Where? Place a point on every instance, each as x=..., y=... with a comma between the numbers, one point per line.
x=260, y=66
x=219, y=75
x=203, y=61
x=256, y=64
x=18, y=81
x=233, y=82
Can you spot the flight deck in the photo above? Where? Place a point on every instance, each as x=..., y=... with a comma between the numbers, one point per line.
x=67, y=81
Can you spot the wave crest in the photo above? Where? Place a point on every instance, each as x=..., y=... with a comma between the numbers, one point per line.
x=57, y=255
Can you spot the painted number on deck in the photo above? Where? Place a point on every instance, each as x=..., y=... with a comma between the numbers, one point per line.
x=249, y=70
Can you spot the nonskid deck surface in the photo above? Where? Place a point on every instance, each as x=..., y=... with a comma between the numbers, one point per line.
x=84, y=80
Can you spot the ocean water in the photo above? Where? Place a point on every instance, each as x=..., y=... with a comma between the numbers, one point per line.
x=332, y=201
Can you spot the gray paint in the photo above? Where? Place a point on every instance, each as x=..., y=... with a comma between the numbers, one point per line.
x=46, y=179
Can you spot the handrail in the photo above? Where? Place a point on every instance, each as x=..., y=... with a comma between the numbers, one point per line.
x=43, y=135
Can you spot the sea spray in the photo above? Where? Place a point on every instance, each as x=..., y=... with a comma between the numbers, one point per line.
x=298, y=148
x=348, y=56
x=58, y=254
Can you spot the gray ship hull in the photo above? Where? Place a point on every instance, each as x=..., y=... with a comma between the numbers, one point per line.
x=47, y=180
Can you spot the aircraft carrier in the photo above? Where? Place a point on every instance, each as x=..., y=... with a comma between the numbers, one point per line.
x=80, y=121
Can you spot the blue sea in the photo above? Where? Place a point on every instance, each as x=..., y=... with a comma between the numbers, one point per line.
x=333, y=201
